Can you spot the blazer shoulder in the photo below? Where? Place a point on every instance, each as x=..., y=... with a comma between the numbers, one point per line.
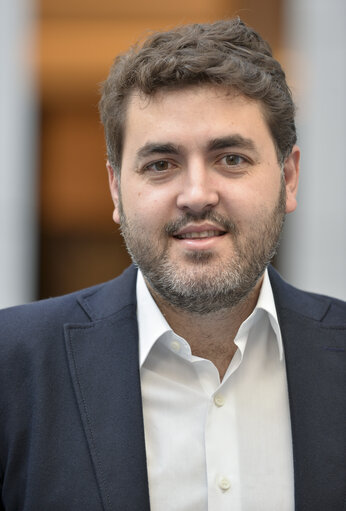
x=46, y=318
x=334, y=308
x=326, y=309
x=42, y=311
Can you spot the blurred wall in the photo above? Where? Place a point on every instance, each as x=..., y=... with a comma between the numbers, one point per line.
x=18, y=154
x=313, y=252
x=56, y=230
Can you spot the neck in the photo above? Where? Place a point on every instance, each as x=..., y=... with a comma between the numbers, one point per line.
x=211, y=336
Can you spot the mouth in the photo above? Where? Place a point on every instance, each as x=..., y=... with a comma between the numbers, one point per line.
x=199, y=234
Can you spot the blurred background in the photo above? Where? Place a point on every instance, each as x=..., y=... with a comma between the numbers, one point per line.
x=56, y=230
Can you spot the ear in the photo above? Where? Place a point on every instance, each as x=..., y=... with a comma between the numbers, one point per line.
x=291, y=173
x=114, y=189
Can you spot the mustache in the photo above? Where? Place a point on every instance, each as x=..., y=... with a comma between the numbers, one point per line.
x=225, y=223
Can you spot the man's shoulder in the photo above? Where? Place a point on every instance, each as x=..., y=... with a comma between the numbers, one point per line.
x=85, y=305
x=325, y=309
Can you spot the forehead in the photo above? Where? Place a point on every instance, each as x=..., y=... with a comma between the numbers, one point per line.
x=193, y=113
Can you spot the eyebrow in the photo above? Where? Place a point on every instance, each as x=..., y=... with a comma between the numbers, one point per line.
x=156, y=148
x=230, y=141
x=233, y=141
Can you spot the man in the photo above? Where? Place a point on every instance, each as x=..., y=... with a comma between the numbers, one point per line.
x=202, y=380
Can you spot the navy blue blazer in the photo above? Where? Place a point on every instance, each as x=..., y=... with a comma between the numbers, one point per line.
x=71, y=426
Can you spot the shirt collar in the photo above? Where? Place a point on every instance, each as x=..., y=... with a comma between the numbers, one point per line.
x=266, y=302
x=151, y=322
x=152, y=325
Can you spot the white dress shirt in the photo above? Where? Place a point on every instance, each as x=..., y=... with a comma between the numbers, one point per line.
x=211, y=445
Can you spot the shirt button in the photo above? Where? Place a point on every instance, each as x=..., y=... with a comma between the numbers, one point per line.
x=219, y=400
x=175, y=346
x=224, y=483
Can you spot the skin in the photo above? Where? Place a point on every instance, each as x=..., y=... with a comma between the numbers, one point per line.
x=202, y=160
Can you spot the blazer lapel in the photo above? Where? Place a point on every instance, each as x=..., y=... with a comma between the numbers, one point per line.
x=315, y=362
x=103, y=360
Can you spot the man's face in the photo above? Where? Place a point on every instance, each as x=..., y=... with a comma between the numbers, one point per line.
x=202, y=197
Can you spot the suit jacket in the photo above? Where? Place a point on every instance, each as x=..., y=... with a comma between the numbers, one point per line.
x=71, y=426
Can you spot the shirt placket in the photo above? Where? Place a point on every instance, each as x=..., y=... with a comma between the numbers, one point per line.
x=222, y=457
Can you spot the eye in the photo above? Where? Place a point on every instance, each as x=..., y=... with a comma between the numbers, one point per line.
x=233, y=160
x=159, y=166
x=233, y=163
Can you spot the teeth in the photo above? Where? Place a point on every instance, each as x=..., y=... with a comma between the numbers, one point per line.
x=203, y=234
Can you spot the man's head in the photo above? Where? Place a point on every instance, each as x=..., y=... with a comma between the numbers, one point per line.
x=225, y=53
x=205, y=166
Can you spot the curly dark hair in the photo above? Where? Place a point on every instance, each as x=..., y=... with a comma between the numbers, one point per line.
x=226, y=53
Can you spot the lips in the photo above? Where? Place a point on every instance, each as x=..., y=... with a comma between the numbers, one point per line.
x=198, y=231
x=196, y=235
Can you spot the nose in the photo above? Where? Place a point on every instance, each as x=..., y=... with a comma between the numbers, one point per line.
x=198, y=189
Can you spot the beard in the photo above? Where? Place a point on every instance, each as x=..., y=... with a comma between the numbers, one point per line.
x=206, y=284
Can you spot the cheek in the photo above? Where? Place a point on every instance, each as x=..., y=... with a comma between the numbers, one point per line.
x=145, y=214
x=240, y=201
x=145, y=204
x=251, y=202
